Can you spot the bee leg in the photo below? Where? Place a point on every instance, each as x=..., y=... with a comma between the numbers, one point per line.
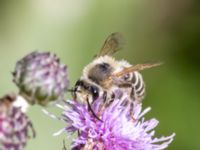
x=131, y=112
x=104, y=96
x=132, y=95
x=133, y=119
x=90, y=109
x=79, y=133
x=103, y=105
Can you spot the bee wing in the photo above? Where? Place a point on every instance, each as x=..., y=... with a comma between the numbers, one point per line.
x=112, y=44
x=138, y=67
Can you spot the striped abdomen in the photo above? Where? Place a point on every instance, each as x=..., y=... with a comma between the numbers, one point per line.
x=134, y=81
x=138, y=86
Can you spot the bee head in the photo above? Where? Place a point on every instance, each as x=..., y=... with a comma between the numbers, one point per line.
x=84, y=90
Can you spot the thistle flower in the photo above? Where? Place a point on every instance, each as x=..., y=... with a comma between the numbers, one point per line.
x=14, y=125
x=117, y=128
x=41, y=78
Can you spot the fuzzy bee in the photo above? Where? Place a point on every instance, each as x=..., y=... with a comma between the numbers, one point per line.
x=105, y=74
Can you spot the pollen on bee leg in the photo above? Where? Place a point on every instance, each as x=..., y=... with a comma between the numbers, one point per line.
x=133, y=118
x=102, y=108
x=131, y=113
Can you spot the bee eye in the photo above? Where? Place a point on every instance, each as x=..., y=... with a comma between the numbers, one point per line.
x=95, y=92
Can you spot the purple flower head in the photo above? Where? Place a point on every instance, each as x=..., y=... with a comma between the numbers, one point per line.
x=41, y=78
x=121, y=126
x=14, y=125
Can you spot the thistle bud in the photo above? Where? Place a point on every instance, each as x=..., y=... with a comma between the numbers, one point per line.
x=41, y=78
x=14, y=125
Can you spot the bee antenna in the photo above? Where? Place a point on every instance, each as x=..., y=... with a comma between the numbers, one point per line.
x=73, y=90
x=90, y=109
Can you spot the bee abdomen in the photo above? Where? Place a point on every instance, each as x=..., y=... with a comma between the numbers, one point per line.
x=138, y=86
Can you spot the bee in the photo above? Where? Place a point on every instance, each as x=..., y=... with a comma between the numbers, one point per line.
x=105, y=74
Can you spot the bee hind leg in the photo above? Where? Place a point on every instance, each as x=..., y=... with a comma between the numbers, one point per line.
x=131, y=112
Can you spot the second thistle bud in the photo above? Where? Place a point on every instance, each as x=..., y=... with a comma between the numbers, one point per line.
x=15, y=126
x=41, y=78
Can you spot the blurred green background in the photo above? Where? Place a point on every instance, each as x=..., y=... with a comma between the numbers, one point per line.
x=155, y=30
